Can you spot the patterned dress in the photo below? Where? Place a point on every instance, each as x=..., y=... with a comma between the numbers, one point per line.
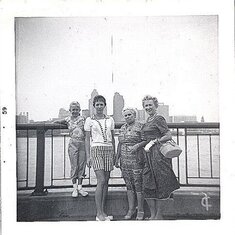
x=159, y=180
x=131, y=163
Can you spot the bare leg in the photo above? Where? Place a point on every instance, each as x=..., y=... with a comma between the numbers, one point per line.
x=140, y=201
x=160, y=207
x=99, y=193
x=105, y=191
x=153, y=207
x=131, y=203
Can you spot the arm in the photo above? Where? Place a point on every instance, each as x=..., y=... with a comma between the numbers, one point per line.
x=61, y=122
x=118, y=155
x=87, y=147
x=113, y=141
x=164, y=138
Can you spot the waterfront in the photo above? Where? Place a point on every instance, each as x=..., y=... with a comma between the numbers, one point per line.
x=202, y=161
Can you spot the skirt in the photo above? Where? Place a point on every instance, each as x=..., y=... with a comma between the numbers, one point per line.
x=102, y=158
x=159, y=180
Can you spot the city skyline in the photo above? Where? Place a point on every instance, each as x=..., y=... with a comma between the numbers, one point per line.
x=141, y=115
x=174, y=58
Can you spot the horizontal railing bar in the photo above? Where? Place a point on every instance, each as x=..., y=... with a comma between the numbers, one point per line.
x=112, y=185
x=44, y=125
x=195, y=177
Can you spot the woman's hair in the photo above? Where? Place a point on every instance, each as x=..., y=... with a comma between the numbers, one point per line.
x=132, y=110
x=74, y=103
x=99, y=98
x=149, y=97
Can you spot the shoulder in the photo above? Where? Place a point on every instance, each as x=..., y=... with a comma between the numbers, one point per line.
x=109, y=117
x=160, y=118
x=88, y=120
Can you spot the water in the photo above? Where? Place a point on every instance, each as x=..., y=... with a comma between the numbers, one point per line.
x=59, y=167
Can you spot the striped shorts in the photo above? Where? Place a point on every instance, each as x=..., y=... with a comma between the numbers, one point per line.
x=102, y=158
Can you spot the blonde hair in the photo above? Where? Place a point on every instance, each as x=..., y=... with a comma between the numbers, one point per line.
x=74, y=103
x=149, y=97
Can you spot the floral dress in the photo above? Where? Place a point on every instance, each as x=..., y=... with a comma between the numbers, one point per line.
x=131, y=163
x=159, y=180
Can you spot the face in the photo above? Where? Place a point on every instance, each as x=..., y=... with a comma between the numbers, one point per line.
x=129, y=116
x=75, y=110
x=99, y=106
x=150, y=107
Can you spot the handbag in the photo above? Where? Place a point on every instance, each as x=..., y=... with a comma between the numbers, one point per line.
x=170, y=149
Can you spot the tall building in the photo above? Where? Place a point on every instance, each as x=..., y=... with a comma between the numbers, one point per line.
x=118, y=105
x=90, y=105
x=141, y=115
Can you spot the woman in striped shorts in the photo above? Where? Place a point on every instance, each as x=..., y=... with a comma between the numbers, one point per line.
x=100, y=147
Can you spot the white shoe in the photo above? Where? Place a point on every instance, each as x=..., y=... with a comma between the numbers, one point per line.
x=82, y=192
x=75, y=193
x=109, y=217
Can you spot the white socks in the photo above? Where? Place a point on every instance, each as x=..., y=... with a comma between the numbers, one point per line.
x=79, y=187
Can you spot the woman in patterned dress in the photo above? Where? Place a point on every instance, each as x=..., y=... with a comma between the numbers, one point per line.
x=131, y=156
x=159, y=180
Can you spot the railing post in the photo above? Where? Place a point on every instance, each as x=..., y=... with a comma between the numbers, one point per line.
x=39, y=188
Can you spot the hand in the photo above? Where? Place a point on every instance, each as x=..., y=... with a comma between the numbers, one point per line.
x=148, y=146
x=117, y=162
x=134, y=148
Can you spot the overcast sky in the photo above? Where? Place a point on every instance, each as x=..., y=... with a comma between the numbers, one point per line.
x=174, y=58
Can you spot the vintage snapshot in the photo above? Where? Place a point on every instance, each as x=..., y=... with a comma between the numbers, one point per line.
x=114, y=119
x=117, y=118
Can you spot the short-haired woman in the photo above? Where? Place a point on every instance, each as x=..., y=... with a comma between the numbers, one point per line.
x=131, y=155
x=100, y=152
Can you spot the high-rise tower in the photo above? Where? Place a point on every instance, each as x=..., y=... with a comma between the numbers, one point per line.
x=118, y=105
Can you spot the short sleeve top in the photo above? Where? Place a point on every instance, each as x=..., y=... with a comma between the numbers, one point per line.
x=101, y=130
x=155, y=128
x=130, y=134
x=76, y=127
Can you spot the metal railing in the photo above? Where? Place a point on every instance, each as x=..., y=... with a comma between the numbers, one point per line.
x=198, y=165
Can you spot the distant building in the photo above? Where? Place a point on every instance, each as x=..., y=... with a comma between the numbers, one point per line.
x=164, y=111
x=141, y=115
x=183, y=118
x=85, y=113
x=22, y=118
x=118, y=105
x=63, y=113
x=90, y=105
x=202, y=119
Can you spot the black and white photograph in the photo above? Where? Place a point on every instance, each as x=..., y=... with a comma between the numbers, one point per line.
x=118, y=116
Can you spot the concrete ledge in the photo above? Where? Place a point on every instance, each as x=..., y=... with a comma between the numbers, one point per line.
x=201, y=203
